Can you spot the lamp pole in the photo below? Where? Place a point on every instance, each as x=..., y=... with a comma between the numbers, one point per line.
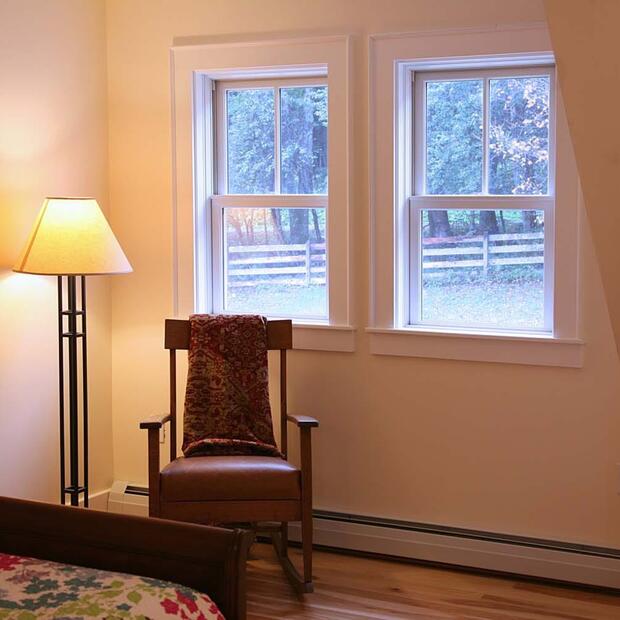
x=69, y=391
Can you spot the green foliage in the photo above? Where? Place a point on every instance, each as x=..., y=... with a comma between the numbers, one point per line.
x=303, y=144
x=303, y=160
x=454, y=137
x=468, y=223
x=250, y=141
x=518, y=146
x=519, y=135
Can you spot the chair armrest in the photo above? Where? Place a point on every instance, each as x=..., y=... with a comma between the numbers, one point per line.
x=303, y=421
x=155, y=421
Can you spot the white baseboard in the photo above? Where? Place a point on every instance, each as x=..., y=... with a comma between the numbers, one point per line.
x=122, y=502
x=97, y=501
x=518, y=559
x=519, y=556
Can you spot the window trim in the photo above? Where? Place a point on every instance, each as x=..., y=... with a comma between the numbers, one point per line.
x=194, y=69
x=393, y=58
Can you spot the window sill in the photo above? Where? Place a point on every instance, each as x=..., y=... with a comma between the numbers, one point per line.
x=323, y=337
x=512, y=348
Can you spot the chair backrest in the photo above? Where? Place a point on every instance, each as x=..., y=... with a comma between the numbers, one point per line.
x=176, y=338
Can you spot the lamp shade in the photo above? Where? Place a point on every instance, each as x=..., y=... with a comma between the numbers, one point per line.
x=72, y=237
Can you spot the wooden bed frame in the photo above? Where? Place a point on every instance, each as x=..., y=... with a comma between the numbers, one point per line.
x=209, y=559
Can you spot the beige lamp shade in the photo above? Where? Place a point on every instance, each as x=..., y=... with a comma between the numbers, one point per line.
x=72, y=237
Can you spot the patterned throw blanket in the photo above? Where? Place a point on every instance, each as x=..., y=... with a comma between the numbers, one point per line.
x=33, y=589
x=227, y=397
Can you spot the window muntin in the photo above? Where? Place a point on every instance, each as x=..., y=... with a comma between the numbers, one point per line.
x=483, y=179
x=271, y=205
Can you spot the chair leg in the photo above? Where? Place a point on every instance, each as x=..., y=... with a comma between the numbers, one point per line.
x=306, y=546
x=154, y=472
x=300, y=584
x=284, y=538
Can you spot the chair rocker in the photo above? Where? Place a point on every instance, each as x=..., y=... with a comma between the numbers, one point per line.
x=263, y=490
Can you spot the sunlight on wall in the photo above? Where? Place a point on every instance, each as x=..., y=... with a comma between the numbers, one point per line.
x=53, y=140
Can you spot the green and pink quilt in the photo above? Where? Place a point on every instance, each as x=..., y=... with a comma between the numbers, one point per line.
x=37, y=589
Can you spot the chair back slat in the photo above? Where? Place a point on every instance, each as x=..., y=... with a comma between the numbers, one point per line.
x=279, y=334
x=279, y=338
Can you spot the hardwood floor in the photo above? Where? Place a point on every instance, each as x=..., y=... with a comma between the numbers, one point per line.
x=352, y=588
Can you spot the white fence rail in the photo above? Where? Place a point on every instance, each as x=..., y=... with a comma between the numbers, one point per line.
x=483, y=251
x=300, y=264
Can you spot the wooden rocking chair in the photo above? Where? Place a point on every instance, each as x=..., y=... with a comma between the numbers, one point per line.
x=236, y=489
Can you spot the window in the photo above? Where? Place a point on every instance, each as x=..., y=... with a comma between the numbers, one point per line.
x=261, y=135
x=475, y=200
x=482, y=210
x=270, y=207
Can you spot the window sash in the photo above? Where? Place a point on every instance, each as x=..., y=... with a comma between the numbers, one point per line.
x=221, y=87
x=222, y=199
x=419, y=80
x=220, y=279
x=419, y=200
x=419, y=204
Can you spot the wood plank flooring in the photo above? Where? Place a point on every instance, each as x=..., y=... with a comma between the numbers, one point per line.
x=352, y=588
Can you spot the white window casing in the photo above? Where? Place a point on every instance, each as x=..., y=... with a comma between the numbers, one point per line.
x=397, y=196
x=197, y=205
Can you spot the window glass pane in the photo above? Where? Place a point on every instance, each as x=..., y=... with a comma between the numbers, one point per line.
x=275, y=262
x=303, y=140
x=454, y=137
x=519, y=135
x=483, y=268
x=250, y=140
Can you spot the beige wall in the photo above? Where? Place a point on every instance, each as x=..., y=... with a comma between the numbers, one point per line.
x=585, y=37
x=53, y=141
x=520, y=449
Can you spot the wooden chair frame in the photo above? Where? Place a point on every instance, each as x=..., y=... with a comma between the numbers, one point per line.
x=280, y=338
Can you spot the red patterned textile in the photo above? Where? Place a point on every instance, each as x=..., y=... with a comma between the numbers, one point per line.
x=227, y=407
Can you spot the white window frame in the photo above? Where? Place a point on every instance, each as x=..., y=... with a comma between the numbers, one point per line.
x=394, y=59
x=195, y=70
x=420, y=201
x=222, y=199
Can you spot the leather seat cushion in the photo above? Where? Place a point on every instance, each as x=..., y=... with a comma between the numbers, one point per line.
x=241, y=478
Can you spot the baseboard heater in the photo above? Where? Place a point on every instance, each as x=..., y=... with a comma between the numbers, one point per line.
x=517, y=555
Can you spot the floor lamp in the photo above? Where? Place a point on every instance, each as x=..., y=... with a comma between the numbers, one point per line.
x=71, y=239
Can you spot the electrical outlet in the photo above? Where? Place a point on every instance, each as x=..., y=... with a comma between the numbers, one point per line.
x=162, y=435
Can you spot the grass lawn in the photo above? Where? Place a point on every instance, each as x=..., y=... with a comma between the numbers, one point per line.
x=490, y=303
x=279, y=300
x=518, y=305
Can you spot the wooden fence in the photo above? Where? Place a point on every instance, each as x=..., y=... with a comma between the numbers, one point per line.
x=483, y=251
x=295, y=264
x=304, y=264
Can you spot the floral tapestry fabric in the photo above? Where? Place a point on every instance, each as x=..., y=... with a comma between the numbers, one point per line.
x=227, y=409
x=37, y=589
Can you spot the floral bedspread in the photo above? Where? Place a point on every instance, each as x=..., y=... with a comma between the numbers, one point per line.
x=31, y=588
